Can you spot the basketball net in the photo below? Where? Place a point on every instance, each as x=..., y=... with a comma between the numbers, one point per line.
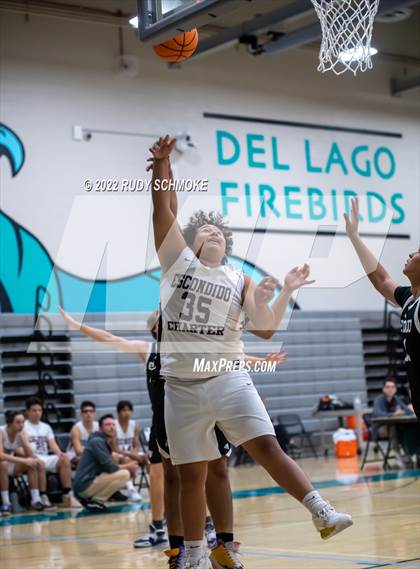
x=346, y=34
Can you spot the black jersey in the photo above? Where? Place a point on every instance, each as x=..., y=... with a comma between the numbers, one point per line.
x=156, y=389
x=410, y=330
x=153, y=365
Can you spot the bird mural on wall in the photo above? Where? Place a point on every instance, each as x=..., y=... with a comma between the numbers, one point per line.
x=26, y=269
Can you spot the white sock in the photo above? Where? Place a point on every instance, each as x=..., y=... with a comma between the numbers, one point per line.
x=5, y=497
x=194, y=549
x=130, y=485
x=314, y=502
x=35, y=497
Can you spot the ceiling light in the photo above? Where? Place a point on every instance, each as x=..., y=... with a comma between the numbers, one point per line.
x=356, y=54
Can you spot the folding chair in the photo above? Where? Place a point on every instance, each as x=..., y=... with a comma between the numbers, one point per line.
x=295, y=428
x=373, y=437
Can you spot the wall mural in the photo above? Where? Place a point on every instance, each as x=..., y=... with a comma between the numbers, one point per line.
x=29, y=277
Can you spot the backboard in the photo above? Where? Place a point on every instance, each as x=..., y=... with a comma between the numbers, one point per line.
x=160, y=20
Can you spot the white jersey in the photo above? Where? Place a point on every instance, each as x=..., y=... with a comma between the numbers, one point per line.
x=202, y=317
x=84, y=433
x=9, y=446
x=125, y=439
x=39, y=434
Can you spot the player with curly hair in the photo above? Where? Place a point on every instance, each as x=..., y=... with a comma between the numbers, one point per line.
x=204, y=305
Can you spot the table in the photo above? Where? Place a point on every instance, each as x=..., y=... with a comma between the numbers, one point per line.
x=337, y=414
x=398, y=420
x=390, y=422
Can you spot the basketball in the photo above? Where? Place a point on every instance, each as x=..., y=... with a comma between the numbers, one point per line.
x=178, y=48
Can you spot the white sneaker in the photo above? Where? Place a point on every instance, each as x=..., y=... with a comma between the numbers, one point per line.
x=45, y=501
x=210, y=534
x=329, y=522
x=134, y=496
x=202, y=563
x=69, y=501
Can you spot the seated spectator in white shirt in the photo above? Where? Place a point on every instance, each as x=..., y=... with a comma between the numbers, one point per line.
x=42, y=441
x=13, y=437
x=128, y=443
x=81, y=431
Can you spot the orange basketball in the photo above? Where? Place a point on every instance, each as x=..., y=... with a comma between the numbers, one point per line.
x=179, y=48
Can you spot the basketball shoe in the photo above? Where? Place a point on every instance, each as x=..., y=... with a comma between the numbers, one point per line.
x=45, y=501
x=210, y=533
x=329, y=522
x=176, y=558
x=225, y=556
x=155, y=537
x=197, y=562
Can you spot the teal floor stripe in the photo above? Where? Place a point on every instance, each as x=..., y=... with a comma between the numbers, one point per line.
x=21, y=519
x=240, y=494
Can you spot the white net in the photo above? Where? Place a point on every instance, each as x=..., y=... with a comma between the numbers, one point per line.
x=346, y=34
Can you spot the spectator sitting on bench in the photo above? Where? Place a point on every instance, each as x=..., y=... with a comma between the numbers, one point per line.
x=42, y=440
x=97, y=476
x=128, y=443
x=81, y=431
x=13, y=437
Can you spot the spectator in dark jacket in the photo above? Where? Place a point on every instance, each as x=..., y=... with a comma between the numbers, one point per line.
x=97, y=476
x=389, y=404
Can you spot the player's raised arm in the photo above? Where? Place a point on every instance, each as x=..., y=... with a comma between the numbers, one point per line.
x=376, y=273
x=255, y=302
x=169, y=241
x=173, y=200
x=109, y=340
x=295, y=279
x=278, y=357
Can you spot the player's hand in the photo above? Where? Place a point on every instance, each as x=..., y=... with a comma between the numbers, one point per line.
x=265, y=290
x=352, y=221
x=141, y=458
x=131, y=467
x=162, y=148
x=31, y=462
x=278, y=357
x=296, y=278
x=40, y=463
x=399, y=412
x=73, y=324
x=149, y=166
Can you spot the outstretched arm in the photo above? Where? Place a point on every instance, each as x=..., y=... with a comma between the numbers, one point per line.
x=114, y=342
x=173, y=200
x=278, y=357
x=376, y=273
x=169, y=241
x=255, y=302
x=295, y=279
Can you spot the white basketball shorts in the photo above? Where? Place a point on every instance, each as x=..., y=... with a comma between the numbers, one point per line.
x=50, y=461
x=192, y=409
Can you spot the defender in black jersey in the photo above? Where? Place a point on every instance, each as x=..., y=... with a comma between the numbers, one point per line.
x=158, y=442
x=407, y=297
